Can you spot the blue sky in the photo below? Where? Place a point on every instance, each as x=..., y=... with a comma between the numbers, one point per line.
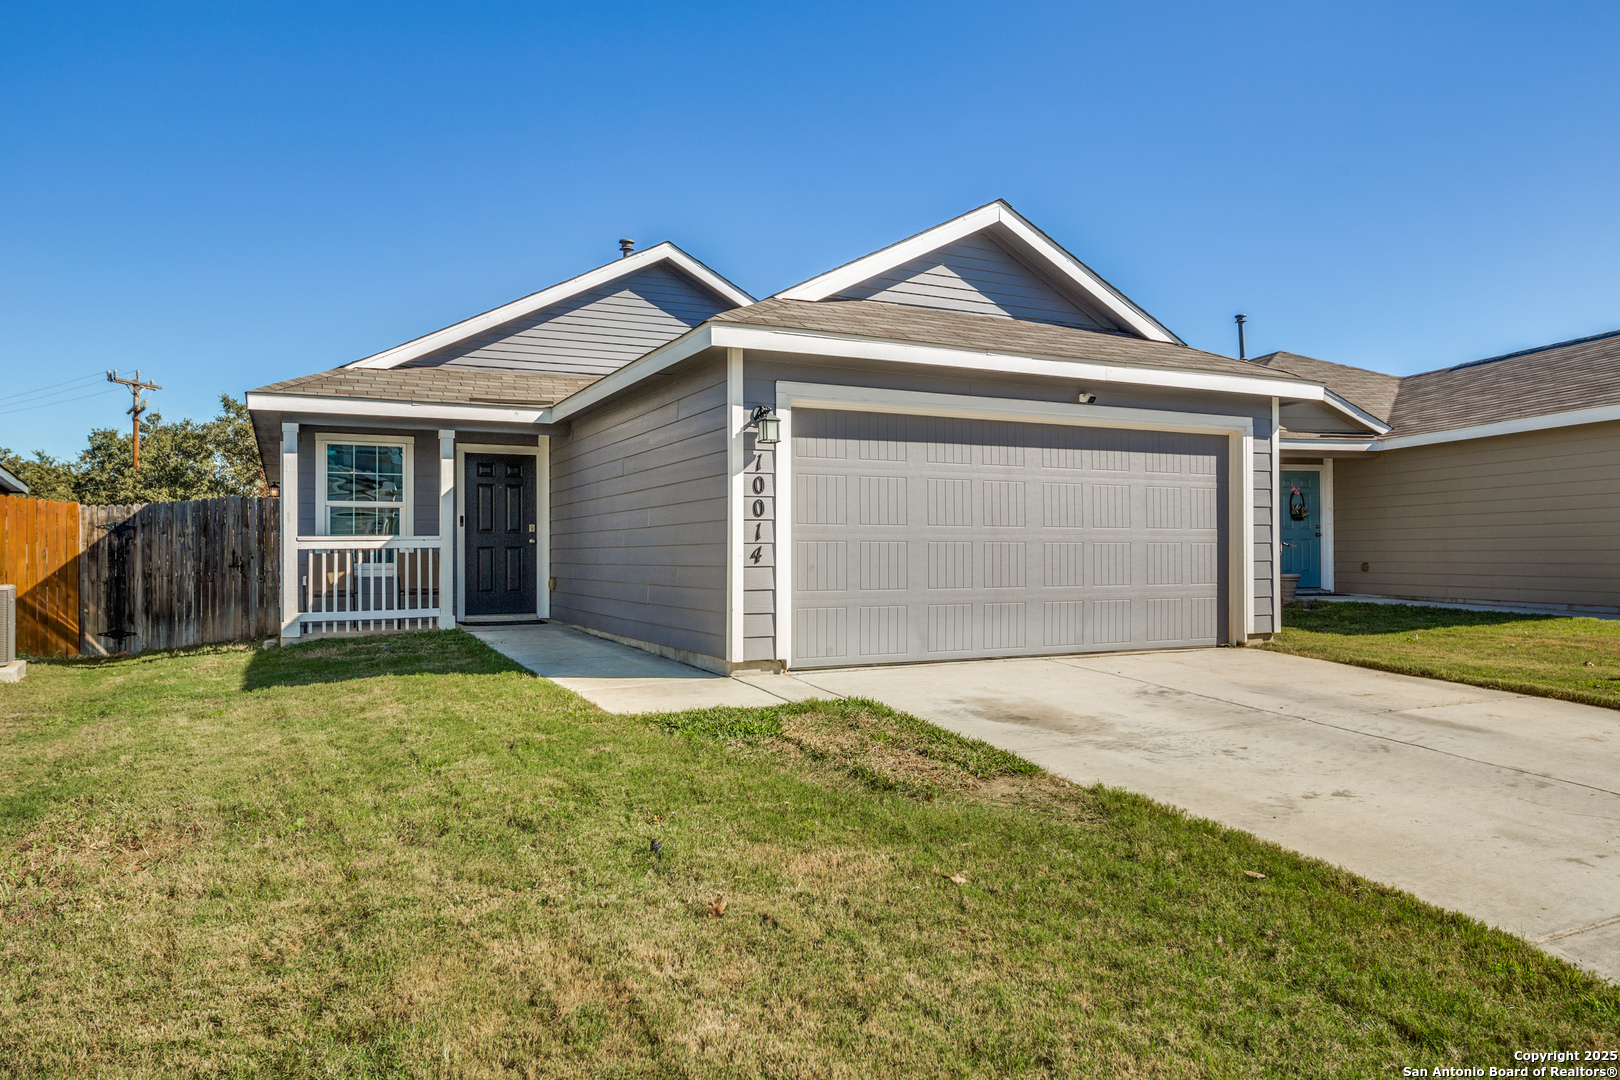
x=225, y=195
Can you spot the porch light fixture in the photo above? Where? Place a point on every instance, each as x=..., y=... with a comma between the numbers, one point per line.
x=767, y=425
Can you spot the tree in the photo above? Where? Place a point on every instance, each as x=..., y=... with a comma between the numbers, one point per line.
x=184, y=460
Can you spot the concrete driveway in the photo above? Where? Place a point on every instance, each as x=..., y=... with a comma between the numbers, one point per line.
x=1502, y=806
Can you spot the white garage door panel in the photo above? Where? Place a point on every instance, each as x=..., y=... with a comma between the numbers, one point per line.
x=927, y=538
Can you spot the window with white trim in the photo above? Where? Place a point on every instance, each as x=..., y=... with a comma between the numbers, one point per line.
x=363, y=486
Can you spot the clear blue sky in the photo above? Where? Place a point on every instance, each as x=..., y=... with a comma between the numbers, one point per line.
x=225, y=195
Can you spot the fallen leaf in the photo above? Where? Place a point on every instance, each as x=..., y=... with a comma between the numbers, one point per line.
x=717, y=907
x=1254, y=873
x=959, y=879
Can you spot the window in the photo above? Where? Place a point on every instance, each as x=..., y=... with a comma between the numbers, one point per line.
x=363, y=486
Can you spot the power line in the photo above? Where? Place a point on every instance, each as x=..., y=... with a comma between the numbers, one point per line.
x=53, y=404
x=49, y=391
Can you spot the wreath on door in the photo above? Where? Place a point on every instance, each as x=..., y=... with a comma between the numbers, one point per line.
x=1297, y=509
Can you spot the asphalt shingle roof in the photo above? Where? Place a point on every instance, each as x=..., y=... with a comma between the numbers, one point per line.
x=456, y=386
x=892, y=322
x=1371, y=391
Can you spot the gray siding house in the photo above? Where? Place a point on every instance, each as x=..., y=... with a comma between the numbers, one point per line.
x=965, y=444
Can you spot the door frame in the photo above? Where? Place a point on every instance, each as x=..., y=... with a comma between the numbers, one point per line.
x=1240, y=476
x=542, y=517
x=1325, y=488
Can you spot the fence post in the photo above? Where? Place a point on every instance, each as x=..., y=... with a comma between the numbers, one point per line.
x=447, y=529
x=289, y=533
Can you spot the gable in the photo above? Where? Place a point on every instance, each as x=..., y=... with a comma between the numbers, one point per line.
x=593, y=332
x=989, y=261
x=975, y=275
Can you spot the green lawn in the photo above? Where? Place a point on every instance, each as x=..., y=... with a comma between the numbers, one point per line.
x=406, y=857
x=1574, y=659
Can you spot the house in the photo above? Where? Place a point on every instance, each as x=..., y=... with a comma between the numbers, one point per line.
x=965, y=444
x=1496, y=480
x=10, y=484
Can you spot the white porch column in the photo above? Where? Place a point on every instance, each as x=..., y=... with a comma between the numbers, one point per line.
x=447, y=529
x=289, y=533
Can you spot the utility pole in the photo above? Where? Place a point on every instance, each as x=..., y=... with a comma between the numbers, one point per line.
x=137, y=406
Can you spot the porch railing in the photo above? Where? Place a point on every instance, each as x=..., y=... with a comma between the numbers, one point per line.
x=363, y=584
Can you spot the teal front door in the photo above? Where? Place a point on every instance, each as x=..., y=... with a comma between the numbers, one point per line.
x=1302, y=527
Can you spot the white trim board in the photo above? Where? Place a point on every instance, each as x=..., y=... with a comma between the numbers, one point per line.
x=665, y=252
x=736, y=419
x=542, y=516
x=1325, y=487
x=1547, y=422
x=407, y=507
x=1240, y=463
x=1067, y=269
x=806, y=343
x=430, y=413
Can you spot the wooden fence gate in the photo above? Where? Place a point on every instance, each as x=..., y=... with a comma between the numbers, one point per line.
x=39, y=553
x=168, y=575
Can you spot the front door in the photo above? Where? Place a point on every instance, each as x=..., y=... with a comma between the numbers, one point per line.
x=498, y=535
x=1302, y=527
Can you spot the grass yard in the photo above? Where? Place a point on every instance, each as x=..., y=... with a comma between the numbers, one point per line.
x=406, y=857
x=1573, y=659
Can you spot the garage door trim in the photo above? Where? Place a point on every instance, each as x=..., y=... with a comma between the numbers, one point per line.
x=1238, y=429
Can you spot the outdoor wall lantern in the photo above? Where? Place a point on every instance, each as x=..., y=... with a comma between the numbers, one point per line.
x=1296, y=505
x=767, y=425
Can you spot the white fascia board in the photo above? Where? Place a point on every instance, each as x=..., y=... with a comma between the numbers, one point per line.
x=396, y=410
x=666, y=251
x=1354, y=412
x=922, y=403
x=1337, y=446
x=1603, y=414
x=811, y=343
x=804, y=342
x=1065, y=266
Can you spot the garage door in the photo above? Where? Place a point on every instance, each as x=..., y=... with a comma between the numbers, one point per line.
x=931, y=538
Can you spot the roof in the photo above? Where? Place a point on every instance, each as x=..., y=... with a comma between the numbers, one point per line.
x=457, y=386
x=528, y=305
x=1001, y=219
x=1372, y=391
x=1583, y=373
x=10, y=485
x=892, y=322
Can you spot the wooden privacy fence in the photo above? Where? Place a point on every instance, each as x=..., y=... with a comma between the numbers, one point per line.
x=168, y=575
x=39, y=553
x=100, y=580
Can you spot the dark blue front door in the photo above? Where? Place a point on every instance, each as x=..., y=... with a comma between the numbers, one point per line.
x=1302, y=527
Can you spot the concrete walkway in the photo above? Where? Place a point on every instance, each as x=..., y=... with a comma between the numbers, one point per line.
x=1502, y=806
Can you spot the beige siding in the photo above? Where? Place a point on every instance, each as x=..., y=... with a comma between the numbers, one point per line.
x=638, y=514
x=1531, y=518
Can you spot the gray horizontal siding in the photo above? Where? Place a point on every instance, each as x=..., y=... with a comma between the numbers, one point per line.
x=978, y=276
x=593, y=333
x=638, y=515
x=1530, y=518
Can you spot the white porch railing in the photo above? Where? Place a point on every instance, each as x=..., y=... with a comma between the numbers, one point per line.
x=363, y=584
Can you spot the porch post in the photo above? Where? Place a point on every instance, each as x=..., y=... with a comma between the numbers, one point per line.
x=447, y=529
x=289, y=533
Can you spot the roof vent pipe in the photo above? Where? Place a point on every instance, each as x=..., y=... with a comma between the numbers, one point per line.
x=1243, y=351
x=626, y=248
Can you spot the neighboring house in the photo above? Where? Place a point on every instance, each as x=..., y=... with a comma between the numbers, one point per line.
x=10, y=484
x=985, y=450
x=1497, y=480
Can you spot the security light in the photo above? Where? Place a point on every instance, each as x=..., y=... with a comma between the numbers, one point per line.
x=767, y=425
